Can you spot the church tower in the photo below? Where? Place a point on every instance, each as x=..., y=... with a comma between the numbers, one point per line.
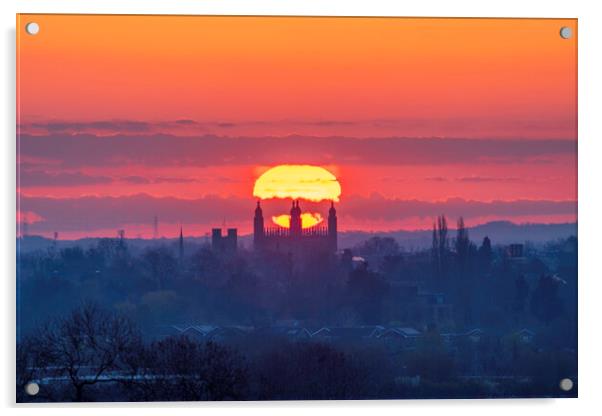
x=295, y=220
x=181, y=244
x=293, y=239
x=258, y=230
x=332, y=227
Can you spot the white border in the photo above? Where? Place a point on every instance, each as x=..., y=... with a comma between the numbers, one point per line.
x=590, y=173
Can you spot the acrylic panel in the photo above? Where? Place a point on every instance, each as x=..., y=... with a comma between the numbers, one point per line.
x=295, y=208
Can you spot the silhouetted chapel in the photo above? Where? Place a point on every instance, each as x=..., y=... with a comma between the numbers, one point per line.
x=295, y=238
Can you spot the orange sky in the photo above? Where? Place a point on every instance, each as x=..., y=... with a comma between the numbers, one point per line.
x=258, y=68
x=510, y=79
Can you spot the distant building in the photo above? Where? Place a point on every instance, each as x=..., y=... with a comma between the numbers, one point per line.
x=524, y=336
x=224, y=243
x=347, y=334
x=515, y=250
x=400, y=337
x=295, y=238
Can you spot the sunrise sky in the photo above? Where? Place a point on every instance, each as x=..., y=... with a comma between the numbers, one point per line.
x=121, y=118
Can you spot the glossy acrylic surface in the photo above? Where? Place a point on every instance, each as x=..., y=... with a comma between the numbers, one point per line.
x=274, y=208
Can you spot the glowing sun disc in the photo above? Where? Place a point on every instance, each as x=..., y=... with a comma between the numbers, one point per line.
x=312, y=183
x=308, y=220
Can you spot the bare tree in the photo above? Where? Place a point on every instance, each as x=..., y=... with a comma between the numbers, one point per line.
x=178, y=368
x=440, y=245
x=462, y=245
x=30, y=365
x=310, y=372
x=87, y=346
x=485, y=254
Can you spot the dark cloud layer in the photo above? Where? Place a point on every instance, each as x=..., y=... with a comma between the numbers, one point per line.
x=33, y=178
x=112, y=127
x=143, y=180
x=377, y=207
x=473, y=179
x=91, y=213
x=479, y=179
x=414, y=126
x=73, y=151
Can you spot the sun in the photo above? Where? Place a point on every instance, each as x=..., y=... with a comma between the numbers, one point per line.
x=308, y=220
x=312, y=183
